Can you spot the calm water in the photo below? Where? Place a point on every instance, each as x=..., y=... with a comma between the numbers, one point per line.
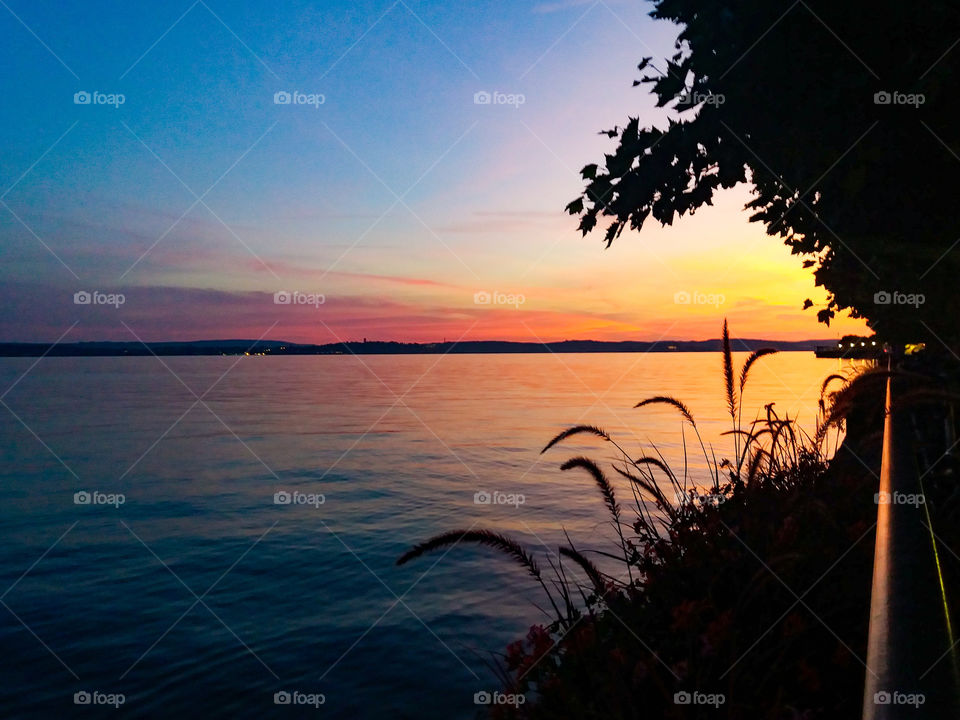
x=200, y=596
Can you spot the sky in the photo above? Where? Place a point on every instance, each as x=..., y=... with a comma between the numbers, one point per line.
x=155, y=185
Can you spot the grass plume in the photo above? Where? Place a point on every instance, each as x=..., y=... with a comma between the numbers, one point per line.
x=576, y=430
x=606, y=489
x=745, y=371
x=728, y=373
x=593, y=573
x=667, y=400
x=488, y=538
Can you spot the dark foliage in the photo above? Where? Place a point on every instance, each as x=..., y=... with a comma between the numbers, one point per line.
x=817, y=104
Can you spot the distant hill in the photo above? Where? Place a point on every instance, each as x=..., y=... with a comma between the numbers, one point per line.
x=378, y=347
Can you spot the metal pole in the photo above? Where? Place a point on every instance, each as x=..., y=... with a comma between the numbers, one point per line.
x=911, y=661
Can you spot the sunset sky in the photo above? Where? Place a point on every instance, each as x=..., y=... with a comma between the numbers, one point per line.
x=398, y=199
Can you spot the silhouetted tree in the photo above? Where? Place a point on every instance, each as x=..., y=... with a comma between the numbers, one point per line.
x=842, y=116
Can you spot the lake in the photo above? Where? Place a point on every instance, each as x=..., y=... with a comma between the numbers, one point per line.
x=203, y=592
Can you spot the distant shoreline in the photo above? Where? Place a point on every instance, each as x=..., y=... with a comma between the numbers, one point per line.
x=471, y=347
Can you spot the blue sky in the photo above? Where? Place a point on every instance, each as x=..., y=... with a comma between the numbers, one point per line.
x=398, y=197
